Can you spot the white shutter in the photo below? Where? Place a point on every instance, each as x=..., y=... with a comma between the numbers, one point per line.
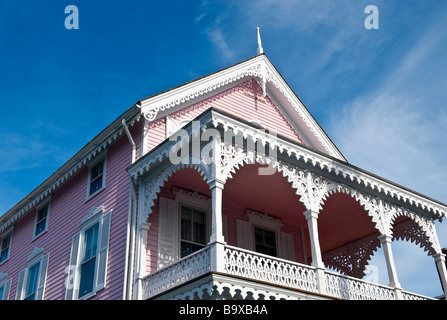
x=42, y=276
x=287, y=248
x=101, y=271
x=243, y=234
x=167, y=233
x=20, y=284
x=71, y=292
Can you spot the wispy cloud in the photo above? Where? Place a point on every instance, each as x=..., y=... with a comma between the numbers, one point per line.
x=217, y=37
x=398, y=130
x=209, y=21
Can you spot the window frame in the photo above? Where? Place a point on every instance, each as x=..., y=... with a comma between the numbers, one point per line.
x=7, y=234
x=83, y=246
x=195, y=201
x=96, y=216
x=37, y=257
x=255, y=243
x=26, y=283
x=47, y=217
x=93, y=165
x=266, y=222
x=192, y=231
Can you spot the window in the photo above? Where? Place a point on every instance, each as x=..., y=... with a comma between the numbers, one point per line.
x=183, y=225
x=31, y=283
x=96, y=178
x=192, y=235
x=263, y=233
x=89, y=255
x=265, y=241
x=88, y=262
x=41, y=220
x=5, y=246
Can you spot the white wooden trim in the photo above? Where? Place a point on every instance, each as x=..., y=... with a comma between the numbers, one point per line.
x=8, y=232
x=43, y=260
x=95, y=215
x=104, y=170
x=38, y=208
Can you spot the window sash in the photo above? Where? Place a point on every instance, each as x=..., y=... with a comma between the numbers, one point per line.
x=96, y=177
x=88, y=264
x=41, y=220
x=6, y=242
x=32, y=280
x=91, y=242
x=265, y=241
x=192, y=230
x=86, y=283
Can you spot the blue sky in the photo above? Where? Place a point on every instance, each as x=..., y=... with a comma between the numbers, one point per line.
x=379, y=94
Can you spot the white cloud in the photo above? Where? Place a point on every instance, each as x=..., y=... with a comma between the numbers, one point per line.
x=217, y=37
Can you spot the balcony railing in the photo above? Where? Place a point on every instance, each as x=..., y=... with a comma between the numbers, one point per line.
x=177, y=273
x=267, y=269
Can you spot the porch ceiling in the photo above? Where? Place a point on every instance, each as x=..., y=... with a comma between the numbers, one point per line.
x=342, y=219
x=271, y=194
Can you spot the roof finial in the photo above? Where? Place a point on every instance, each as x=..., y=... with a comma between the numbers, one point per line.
x=260, y=50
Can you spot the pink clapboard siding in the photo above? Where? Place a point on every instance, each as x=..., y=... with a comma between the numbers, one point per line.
x=68, y=207
x=244, y=101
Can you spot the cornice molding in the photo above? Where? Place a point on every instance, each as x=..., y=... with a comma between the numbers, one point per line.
x=323, y=164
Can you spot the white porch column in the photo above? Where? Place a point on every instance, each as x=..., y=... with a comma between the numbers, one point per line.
x=385, y=240
x=216, y=188
x=440, y=265
x=144, y=231
x=144, y=228
x=217, y=241
x=317, y=260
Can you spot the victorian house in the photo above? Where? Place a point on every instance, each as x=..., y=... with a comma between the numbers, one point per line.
x=222, y=188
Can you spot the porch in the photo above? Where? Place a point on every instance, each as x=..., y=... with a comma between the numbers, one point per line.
x=264, y=277
x=311, y=212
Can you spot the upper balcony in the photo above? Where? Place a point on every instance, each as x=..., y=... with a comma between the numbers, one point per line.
x=236, y=222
